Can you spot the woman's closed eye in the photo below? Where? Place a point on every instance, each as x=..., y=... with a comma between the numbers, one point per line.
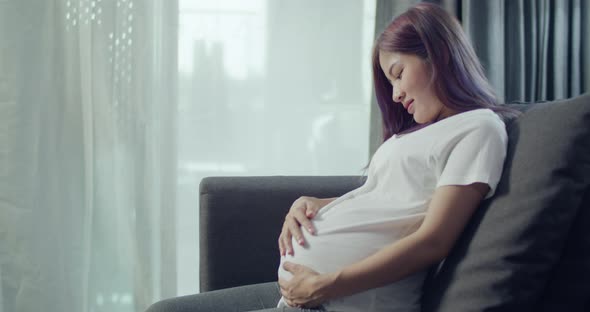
x=399, y=76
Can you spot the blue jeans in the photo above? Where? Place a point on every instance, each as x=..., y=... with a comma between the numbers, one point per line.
x=258, y=297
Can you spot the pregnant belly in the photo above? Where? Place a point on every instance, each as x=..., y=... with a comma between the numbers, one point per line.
x=352, y=231
x=335, y=247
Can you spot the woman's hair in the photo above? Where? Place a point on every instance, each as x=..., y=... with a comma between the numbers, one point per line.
x=429, y=32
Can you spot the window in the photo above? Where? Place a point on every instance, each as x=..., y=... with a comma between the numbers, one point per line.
x=269, y=88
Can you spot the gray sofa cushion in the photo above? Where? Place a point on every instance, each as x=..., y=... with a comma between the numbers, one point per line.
x=241, y=218
x=506, y=255
x=569, y=286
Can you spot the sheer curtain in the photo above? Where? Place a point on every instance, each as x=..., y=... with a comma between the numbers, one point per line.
x=269, y=87
x=87, y=162
x=112, y=111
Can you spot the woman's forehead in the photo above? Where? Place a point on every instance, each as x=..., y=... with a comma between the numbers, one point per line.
x=388, y=59
x=387, y=56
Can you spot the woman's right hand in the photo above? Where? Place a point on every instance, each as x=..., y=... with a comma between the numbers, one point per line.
x=300, y=213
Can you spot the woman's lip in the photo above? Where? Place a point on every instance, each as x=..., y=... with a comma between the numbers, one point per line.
x=410, y=105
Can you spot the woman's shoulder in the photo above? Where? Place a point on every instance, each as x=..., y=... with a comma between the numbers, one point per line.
x=478, y=125
x=483, y=121
x=480, y=120
x=480, y=115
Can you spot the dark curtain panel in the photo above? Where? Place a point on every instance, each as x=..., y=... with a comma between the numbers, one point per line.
x=531, y=50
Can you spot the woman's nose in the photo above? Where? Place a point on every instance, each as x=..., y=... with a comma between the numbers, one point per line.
x=398, y=96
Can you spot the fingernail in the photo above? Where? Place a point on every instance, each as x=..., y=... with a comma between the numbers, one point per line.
x=311, y=230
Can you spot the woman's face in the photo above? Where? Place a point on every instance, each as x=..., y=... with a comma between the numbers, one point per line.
x=410, y=77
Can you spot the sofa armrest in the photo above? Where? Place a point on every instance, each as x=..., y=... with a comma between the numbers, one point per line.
x=240, y=221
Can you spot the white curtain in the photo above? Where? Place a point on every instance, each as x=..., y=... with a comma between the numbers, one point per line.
x=112, y=111
x=268, y=87
x=87, y=161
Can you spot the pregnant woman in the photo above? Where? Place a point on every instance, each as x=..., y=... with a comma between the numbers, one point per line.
x=444, y=144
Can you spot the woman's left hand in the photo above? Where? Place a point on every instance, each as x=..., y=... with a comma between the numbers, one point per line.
x=307, y=288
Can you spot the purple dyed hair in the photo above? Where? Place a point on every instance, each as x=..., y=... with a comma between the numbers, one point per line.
x=429, y=32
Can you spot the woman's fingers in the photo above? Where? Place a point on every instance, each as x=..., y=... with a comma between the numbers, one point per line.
x=316, y=205
x=288, y=245
x=295, y=229
x=301, y=216
x=281, y=245
x=310, y=213
x=285, y=241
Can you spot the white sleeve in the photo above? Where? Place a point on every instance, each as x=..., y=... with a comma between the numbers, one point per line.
x=473, y=156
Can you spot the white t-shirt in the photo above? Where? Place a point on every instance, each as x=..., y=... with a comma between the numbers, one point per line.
x=403, y=174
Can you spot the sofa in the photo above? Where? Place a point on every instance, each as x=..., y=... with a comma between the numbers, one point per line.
x=525, y=249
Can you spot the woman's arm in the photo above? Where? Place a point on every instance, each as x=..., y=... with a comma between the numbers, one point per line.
x=449, y=211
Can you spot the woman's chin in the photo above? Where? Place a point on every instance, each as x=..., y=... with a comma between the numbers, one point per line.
x=417, y=119
x=421, y=119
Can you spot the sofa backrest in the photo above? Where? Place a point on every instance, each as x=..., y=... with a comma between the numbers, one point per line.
x=241, y=218
x=568, y=287
x=512, y=255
